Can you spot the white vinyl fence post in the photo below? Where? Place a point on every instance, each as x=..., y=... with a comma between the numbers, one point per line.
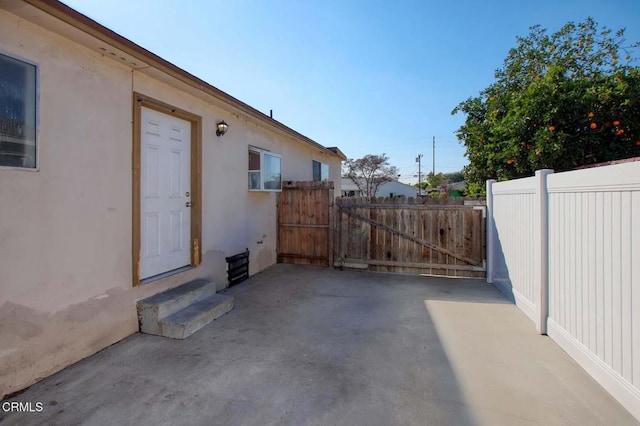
x=541, y=250
x=490, y=230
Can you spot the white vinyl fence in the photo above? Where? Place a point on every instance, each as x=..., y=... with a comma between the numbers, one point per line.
x=511, y=209
x=565, y=247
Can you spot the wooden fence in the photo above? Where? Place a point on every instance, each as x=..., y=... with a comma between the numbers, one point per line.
x=406, y=236
x=305, y=219
x=422, y=236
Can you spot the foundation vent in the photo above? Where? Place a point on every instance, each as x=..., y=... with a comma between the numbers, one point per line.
x=237, y=267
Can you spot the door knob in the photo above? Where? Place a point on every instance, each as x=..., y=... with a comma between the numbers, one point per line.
x=188, y=204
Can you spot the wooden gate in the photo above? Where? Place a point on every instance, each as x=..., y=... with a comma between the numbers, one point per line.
x=382, y=235
x=305, y=221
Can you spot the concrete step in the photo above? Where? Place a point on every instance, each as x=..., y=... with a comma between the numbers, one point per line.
x=187, y=321
x=152, y=310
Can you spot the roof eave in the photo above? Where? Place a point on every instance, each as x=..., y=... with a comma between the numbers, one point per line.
x=89, y=26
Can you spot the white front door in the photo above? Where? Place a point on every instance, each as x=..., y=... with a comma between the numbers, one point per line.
x=165, y=190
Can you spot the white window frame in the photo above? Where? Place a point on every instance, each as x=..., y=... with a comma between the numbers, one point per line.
x=263, y=153
x=37, y=114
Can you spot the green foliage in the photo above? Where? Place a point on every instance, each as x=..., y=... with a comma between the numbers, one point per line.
x=560, y=101
x=453, y=177
x=440, y=179
x=436, y=184
x=435, y=181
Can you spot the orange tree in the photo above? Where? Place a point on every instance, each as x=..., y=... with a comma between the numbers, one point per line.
x=560, y=101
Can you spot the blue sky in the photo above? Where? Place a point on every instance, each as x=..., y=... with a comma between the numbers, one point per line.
x=369, y=77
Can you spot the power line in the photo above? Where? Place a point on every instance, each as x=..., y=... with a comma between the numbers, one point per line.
x=368, y=148
x=449, y=138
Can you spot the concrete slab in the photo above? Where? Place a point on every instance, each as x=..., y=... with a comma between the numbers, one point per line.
x=308, y=346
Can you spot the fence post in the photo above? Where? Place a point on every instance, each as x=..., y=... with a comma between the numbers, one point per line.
x=541, y=250
x=490, y=230
x=332, y=214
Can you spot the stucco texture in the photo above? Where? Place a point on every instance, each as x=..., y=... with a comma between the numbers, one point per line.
x=66, y=286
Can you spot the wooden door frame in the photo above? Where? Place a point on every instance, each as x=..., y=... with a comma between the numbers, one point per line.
x=139, y=101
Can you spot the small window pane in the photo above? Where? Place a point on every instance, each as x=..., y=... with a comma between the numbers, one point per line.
x=254, y=180
x=317, y=173
x=324, y=175
x=17, y=113
x=272, y=172
x=254, y=160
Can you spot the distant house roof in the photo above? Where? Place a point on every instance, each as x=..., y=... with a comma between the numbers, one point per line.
x=456, y=186
x=609, y=163
x=139, y=58
x=394, y=187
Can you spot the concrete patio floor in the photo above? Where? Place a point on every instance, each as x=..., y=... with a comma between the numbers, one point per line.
x=309, y=346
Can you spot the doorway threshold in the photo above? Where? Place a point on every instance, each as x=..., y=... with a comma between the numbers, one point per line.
x=165, y=274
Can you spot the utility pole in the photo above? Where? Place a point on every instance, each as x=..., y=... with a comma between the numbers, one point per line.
x=419, y=161
x=434, y=157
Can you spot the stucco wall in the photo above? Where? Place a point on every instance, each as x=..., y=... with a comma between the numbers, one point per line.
x=65, y=229
x=234, y=218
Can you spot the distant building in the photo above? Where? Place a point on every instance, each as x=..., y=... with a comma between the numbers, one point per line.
x=349, y=189
x=396, y=189
x=390, y=189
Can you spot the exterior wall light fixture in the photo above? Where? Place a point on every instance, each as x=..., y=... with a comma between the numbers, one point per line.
x=221, y=128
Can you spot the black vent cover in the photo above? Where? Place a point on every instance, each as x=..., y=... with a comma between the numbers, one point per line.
x=237, y=267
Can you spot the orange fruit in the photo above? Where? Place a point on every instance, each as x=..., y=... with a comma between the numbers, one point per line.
x=511, y=161
x=619, y=132
x=552, y=128
x=593, y=126
x=616, y=123
x=638, y=143
x=590, y=115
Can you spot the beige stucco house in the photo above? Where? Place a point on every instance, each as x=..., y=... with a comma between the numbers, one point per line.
x=115, y=185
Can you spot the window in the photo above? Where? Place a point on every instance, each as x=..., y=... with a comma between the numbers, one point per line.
x=320, y=171
x=17, y=113
x=265, y=171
